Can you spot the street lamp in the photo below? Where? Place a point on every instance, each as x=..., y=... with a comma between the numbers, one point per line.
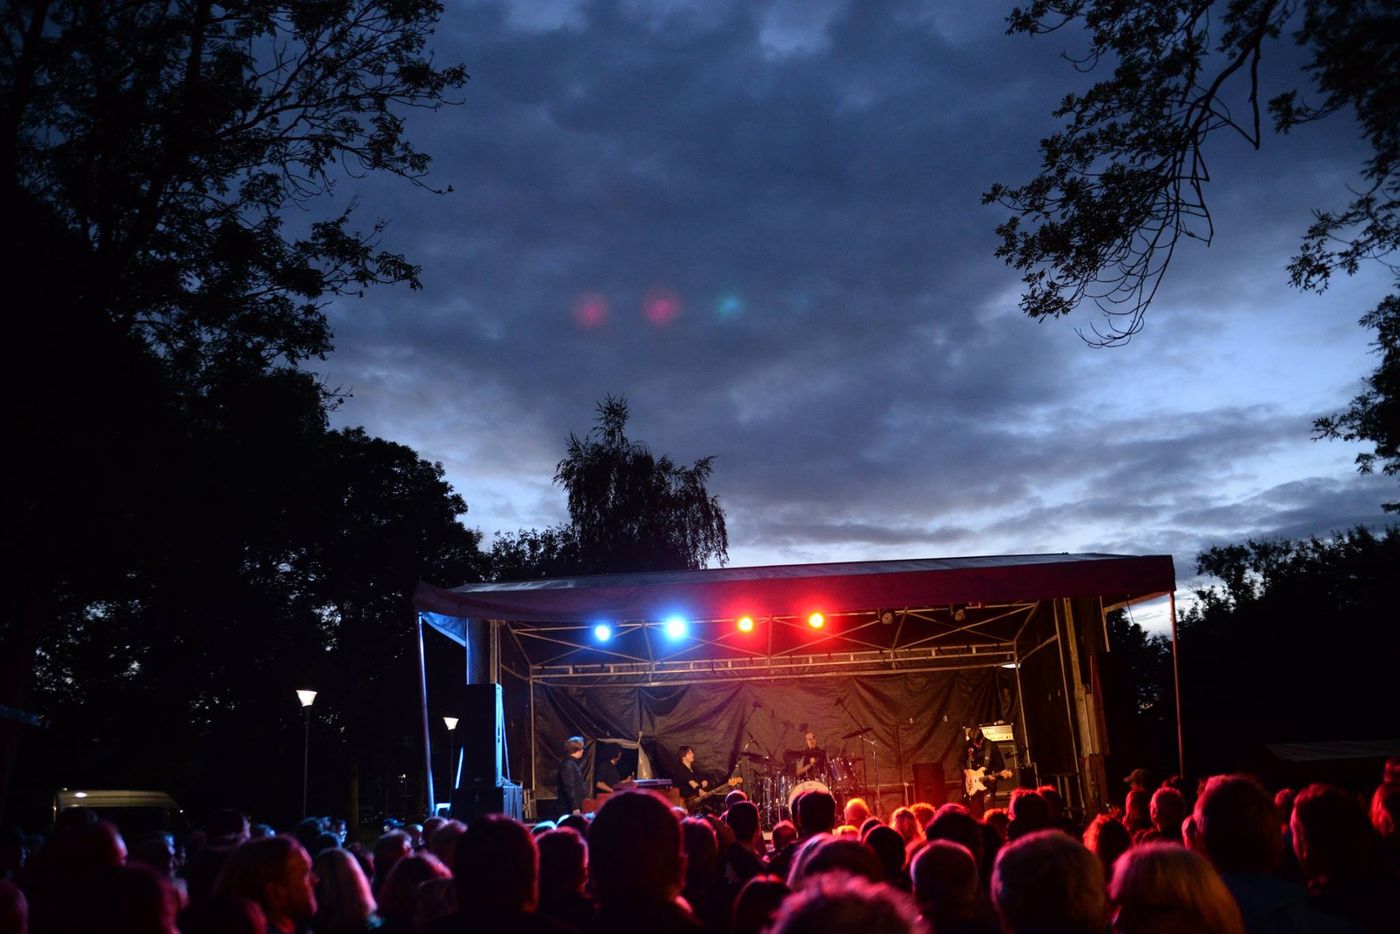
x=307, y=698
x=451, y=754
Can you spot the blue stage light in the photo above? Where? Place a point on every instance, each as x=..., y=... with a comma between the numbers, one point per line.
x=675, y=628
x=602, y=632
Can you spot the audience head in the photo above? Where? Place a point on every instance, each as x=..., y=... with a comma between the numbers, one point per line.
x=156, y=850
x=734, y=796
x=889, y=849
x=343, y=899
x=905, y=824
x=816, y=813
x=836, y=902
x=388, y=850
x=998, y=820
x=1108, y=839
x=784, y=832
x=742, y=818
x=1168, y=810
x=223, y=914
x=563, y=861
x=1055, y=800
x=1385, y=814
x=856, y=811
x=840, y=855
x=1283, y=803
x=1331, y=835
x=497, y=867
x=443, y=842
x=1159, y=888
x=575, y=822
x=923, y=812
x=1235, y=826
x=1137, y=810
x=757, y=903
x=1048, y=881
x=399, y=895
x=275, y=873
x=227, y=825
x=14, y=909
x=701, y=848
x=1029, y=812
x=955, y=823
x=945, y=881
x=126, y=900
x=635, y=850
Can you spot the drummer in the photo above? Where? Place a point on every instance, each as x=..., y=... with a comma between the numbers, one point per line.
x=812, y=763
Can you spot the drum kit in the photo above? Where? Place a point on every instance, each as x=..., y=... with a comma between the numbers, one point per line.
x=776, y=786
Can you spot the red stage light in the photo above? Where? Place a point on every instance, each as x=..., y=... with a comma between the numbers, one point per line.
x=816, y=621
x=745, y=624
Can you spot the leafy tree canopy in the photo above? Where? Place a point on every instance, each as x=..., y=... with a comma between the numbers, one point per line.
x=171, y=170
x=628, y=511
x=1125, y=179
x=1294, y=642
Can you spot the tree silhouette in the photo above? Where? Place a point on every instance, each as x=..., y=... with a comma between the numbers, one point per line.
x=163, y=165
x=628, y=511
x=1124, y=181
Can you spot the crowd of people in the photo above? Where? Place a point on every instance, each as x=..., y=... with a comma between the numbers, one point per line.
x=1226, y=857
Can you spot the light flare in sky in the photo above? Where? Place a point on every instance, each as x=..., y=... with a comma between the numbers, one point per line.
x=661, y=306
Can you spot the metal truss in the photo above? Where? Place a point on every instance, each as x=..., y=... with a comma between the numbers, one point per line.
x=895, y=661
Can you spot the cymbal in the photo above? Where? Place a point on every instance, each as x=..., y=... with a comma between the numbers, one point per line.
x=857, y=733
x=755, y=756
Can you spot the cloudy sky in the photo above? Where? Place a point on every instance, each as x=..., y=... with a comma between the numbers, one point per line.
x=760, y=222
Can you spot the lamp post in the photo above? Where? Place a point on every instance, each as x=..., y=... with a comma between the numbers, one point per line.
x=307, y=698
x=451, y=723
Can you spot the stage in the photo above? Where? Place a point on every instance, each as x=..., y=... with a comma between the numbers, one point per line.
x=886, y=663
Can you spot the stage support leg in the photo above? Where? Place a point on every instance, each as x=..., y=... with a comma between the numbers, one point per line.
x=427, y=741
x=1176, y=689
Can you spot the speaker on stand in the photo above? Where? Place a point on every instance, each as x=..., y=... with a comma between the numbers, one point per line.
x=481, y=784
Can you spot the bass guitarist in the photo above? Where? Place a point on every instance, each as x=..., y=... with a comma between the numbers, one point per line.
x=982, y=766
x=694, y=789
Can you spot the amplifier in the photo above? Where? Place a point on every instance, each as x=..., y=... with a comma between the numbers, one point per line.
x=998, y=732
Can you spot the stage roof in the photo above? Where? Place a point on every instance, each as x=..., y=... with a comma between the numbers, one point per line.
x=970, y=600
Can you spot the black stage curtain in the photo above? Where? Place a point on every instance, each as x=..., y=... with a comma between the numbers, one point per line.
x=913, y=718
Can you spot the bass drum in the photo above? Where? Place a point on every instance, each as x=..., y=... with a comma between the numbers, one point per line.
x=801, y=788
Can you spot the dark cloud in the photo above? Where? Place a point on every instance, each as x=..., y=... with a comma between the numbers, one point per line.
x=803, y=180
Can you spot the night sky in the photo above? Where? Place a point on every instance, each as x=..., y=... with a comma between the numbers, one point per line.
x=761, y=223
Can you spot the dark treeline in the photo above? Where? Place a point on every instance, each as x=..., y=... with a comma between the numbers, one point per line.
x=1293, y=642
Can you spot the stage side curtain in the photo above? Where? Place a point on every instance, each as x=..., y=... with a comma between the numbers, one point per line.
x=914, y=718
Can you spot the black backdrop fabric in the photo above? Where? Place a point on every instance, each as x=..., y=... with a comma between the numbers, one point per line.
x=915, y=717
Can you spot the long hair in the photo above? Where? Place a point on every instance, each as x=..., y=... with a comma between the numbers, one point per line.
x=1165, y=887
x=343, y=898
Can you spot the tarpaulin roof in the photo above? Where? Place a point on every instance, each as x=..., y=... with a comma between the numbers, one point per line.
x=791, y=590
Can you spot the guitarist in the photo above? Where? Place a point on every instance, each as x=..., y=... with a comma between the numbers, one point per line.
x=979, y=754
x=687, y=781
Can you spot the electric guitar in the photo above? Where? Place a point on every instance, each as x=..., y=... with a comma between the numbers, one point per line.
x=975, y=780
x=692, y=803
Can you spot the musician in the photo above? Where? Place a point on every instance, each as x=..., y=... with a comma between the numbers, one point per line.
x=980, y=754
x=606, y=777
x=687, y=781
x=812, y=762
x=571, y=787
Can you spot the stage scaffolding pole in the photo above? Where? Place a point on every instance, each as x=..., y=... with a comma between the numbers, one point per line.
x=1176, y=689
x=427, y=741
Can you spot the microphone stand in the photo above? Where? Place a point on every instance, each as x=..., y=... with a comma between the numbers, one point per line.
x=860, y=733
